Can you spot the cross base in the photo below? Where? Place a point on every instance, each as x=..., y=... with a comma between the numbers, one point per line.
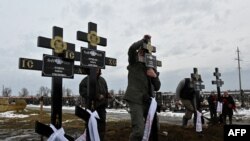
x=45, y=130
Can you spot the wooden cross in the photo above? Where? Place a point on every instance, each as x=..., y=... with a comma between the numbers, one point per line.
x=57, y=66
x=149, y=59
x=93, y=40
x=218, y=82
x=92, y=58
x=196, y=81
x=63, y=53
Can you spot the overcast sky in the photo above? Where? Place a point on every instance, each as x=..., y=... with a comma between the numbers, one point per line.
x=187, y=33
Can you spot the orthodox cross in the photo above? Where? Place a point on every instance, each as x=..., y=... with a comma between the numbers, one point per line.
x=218, y=82
x=93, y=59
x=58, y=65
x=196, y=81
x=150, y=60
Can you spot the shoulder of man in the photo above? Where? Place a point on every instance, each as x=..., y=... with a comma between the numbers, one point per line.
x=85, y=79
x=102, y=79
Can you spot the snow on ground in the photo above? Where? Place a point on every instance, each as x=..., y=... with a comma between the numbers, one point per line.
x=11, y=114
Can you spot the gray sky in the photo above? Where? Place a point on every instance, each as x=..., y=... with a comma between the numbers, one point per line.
x=187, y=33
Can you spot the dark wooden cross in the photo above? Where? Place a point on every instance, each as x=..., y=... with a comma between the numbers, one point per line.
x=59, y=65
x=93, y=40
x=196, y=81
x=218, y=82
x=93, y=59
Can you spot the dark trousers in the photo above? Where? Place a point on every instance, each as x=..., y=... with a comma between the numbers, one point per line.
x=213, y=115
x=154, y=129
x=101, y=123
x=229, y=118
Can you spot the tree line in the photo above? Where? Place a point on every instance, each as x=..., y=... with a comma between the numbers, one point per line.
x=46, y=92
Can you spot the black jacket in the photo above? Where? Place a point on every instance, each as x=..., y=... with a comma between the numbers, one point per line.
x=101, y=89
x=187, y=92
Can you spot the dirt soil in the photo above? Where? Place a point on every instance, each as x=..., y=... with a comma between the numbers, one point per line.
x=116, y=130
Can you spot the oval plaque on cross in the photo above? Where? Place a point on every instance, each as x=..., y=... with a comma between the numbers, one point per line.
x=58, y=45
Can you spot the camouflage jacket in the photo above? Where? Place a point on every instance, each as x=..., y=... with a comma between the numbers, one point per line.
x=138, y=89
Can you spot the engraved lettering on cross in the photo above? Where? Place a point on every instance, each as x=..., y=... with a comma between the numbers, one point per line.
x=112, y=62
x=27, y=63
x=69, y=54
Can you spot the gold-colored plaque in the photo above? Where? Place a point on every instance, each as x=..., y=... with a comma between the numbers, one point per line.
x=149, y=47
x=58, y=45
x=93, y=38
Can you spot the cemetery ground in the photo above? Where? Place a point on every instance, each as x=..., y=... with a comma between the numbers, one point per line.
x=24, y=128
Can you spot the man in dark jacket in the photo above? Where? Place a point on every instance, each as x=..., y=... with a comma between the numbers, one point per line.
x=101, y=100
x=228, y=107
x=138, y=93
x=187, y=95
x=212, y=103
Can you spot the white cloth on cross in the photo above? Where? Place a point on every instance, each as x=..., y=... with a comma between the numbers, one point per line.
x=198, y=122
x=219, y=107
x=58, y=135
x=150, y=117
x=92, y=126
x=82, y=137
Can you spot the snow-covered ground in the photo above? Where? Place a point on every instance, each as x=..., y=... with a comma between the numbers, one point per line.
x=241, y=117
x=115, y=114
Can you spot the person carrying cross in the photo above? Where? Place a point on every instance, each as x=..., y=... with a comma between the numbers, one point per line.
x=189, y=98
x=139, y=89
x=101, y=99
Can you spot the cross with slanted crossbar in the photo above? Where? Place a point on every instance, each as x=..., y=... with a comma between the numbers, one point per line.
x=196, y=81
x=92, y=58
x=57, y=66
x=93, y=40
x=218, y=82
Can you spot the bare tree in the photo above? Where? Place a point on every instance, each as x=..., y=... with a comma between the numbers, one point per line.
x=43, y=91
x=24, y=92
x=7, y=92
x=67, y=92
